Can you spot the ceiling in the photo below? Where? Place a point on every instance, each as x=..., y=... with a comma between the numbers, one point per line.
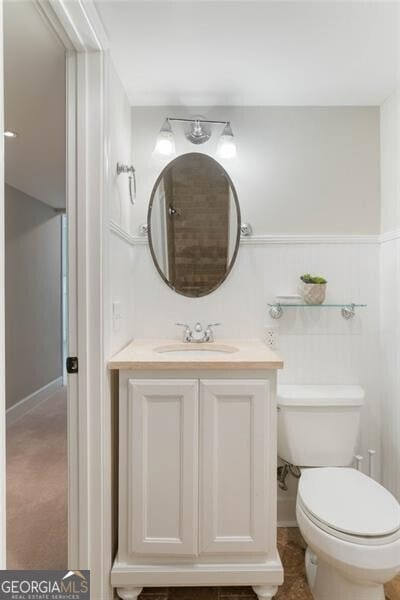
x=34, y=78
x=254, y=53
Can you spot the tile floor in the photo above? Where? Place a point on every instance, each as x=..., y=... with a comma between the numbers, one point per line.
x=291, y=549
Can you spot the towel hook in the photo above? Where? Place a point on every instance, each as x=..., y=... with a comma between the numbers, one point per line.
x=121, y=168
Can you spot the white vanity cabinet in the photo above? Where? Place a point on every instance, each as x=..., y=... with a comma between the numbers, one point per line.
x=194, y=459
x=197, y=473
x=197, y=483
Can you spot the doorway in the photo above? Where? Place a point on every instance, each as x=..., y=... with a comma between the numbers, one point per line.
x=89, y=479
x=35, y=289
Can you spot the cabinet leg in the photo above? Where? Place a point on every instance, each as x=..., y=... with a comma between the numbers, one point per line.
x=265, y=592
x=129, y=593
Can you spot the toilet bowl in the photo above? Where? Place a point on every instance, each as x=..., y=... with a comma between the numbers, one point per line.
x=352, y=526
x=351, y=523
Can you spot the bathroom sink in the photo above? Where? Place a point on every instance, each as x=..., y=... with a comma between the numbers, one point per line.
x=195, y=350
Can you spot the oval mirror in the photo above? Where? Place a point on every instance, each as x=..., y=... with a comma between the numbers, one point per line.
x=194, y=224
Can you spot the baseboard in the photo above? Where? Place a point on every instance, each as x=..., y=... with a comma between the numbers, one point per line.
x=27, y=404
x=287, y=511
x=262, y=571
x=287, y=523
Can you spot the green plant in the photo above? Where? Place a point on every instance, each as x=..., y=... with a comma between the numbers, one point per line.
x=307, y=278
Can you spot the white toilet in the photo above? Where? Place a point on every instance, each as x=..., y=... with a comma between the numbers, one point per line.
x=350, y=522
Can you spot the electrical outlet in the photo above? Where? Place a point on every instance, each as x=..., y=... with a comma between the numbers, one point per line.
x=270, y=336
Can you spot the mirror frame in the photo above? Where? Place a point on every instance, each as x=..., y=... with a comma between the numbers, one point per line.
x=239, y=222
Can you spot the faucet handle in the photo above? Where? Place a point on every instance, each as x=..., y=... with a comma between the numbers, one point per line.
x=209, y=334
x=187, y=334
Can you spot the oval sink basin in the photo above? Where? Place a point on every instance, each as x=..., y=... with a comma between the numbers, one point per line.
x=192, y=349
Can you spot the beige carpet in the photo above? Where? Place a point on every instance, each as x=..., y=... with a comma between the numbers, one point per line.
x=37, y=487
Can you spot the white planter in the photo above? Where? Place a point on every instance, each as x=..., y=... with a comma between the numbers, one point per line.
x=312, y=293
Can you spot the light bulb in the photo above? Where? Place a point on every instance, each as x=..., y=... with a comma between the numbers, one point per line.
x=165, y=144
x=226, y=145
x=10, y=134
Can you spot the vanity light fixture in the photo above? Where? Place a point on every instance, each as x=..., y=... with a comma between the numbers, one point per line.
x=226, y=144
x=165, y=144
x=197, y=131
x=10, y=134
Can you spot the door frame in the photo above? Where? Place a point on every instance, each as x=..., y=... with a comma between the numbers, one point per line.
x=2, y=320
x=89, y=438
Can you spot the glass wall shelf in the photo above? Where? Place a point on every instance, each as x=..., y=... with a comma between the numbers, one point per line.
x=347, y=310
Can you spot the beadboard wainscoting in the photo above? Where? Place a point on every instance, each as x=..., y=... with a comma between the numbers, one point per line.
x=390, y=360
x=120, y=307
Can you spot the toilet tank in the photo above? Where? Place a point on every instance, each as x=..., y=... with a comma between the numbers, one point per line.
x=318, y=425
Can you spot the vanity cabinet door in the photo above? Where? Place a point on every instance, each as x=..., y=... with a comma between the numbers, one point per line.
x=234, y=467
x=162, y=467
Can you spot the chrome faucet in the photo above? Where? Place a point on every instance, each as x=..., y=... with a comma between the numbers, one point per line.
x=198, y=335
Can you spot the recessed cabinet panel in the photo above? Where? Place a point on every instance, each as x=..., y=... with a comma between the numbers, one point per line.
x=162, y=507
x=233, y=425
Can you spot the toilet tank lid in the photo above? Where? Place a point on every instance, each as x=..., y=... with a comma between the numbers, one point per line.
x=320, y=395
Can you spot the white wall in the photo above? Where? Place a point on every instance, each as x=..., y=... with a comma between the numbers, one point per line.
x=33, y=295
x=34, y=104
x=298, y=170
x=390, y=160
x=390, y=293
x=120, y=254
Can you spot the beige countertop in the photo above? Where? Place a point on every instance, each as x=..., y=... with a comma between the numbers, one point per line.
x=241, y=354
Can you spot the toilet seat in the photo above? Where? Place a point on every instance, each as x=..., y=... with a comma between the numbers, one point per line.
x=349, y=505
x=353, y=539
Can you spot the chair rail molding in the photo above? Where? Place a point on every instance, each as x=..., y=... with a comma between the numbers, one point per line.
x=123, y=234
x=272, y=238
x=309, y=238
x=390, y=236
